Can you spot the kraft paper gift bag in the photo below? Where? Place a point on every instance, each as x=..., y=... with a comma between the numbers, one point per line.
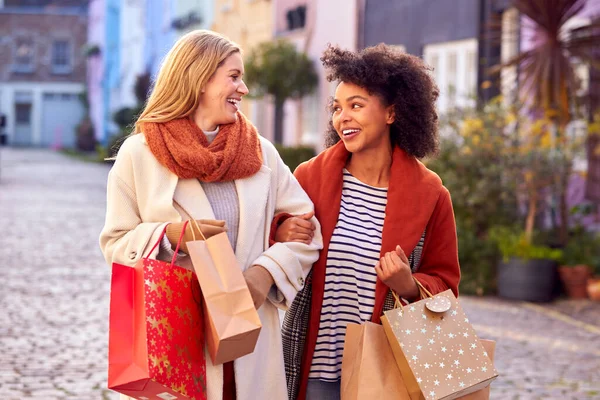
x=483, y=394
x=369, y=370
x=436, y=349
x=156, y=331
x=232, y=322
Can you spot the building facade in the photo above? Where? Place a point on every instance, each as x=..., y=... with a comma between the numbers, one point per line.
x=311, y=25
x=459, y=39
x=42, y=71
x=248, y=23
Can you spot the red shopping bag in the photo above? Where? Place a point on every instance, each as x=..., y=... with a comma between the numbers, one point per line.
x=156, y=332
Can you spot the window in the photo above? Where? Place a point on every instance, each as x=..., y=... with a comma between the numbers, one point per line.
x=452, y=78
x=23, y=57
x=61, y=57
x=296, y=18
x=471, y=73
x=23, y=113
x=455, y=72
x=434, y=60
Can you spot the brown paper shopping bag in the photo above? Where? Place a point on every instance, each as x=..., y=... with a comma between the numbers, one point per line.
x=232, y=323
x=483, y=394
x=369, y=370
x=437, y=349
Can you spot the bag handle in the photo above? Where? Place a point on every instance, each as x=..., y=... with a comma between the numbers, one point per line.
x=423, y=293
x=178, y=242
x=191, y=219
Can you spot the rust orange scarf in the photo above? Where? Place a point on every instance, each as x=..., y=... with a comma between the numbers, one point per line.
x=183, y=148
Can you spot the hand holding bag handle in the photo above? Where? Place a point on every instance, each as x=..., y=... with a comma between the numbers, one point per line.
x=160, y=238
x=423, y=293
x=206, y=228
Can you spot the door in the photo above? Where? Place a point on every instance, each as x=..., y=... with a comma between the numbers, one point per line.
x=23, y=107
x=61, y=113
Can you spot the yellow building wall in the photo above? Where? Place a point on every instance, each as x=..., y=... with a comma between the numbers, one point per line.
x=248, y=23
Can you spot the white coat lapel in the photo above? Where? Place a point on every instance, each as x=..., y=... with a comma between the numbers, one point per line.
x=252, y=193
x=191, y=197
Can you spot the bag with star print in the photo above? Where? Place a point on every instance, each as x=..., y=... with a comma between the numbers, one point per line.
x=437, y=349
x=156, y=331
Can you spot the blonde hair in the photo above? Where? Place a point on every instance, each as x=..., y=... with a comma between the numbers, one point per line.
x=183, y=74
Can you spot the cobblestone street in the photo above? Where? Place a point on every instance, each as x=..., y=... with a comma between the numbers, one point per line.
x=54, y=298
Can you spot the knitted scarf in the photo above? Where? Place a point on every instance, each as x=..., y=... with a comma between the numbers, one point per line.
x=183, y=148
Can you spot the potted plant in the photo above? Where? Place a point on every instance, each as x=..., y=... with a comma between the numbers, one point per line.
x=526, y=272
x=575, y=271
x=593, y=288
x=593, y=282
x=580, y=254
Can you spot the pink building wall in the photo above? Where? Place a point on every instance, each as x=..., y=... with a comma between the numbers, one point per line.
x=327, y=21
x=95, y=66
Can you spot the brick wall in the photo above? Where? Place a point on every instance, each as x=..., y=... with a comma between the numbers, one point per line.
x=19, y=30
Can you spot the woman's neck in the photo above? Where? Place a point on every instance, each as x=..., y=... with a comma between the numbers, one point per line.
x=203, y=122
x=371, y=167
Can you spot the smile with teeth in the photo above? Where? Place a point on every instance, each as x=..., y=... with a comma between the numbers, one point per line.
x=348, y=132
x=235, y=102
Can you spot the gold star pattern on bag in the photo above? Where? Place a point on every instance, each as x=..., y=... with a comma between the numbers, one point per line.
x=174, y=328
x=440, y=347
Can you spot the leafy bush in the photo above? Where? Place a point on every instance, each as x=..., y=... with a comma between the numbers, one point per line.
x=513, y=243
x=478, y=258
x=294, y=156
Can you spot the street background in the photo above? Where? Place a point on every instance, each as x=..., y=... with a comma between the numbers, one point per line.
x=55, y=292
x=519, y=122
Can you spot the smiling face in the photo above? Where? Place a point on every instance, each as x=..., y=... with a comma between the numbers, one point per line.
x=361, y=119
x=220, y=100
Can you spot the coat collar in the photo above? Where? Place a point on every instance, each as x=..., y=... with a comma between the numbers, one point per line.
x=412, y=195
x=252, y=199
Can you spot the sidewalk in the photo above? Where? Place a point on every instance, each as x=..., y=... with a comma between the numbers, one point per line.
x=543, y=351
x=54, y=299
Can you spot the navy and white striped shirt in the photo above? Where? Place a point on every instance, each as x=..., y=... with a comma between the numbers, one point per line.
x=350, y=276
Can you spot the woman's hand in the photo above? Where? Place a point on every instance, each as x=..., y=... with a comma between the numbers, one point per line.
x=259, y=282
x=296, y=229
x=394, y=270
x=209, y=228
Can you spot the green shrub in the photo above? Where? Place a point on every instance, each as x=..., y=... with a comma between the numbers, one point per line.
x=294, y=156
x=478, y=257
x=513, y=243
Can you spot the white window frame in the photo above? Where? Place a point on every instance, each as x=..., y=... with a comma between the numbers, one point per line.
x=19, y=67
x=66, y=68
x=465, y=85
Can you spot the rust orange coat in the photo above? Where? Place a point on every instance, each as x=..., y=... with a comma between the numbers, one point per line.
x=417, y=200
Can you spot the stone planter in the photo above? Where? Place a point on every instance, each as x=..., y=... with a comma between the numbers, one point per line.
x=528, y=280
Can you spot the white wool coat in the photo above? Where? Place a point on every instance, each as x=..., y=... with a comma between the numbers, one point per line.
x=140, y=194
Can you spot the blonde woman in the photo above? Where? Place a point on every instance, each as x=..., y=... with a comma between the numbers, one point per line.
x=194, y=153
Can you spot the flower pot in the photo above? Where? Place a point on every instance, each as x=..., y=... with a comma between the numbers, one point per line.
x=593, y=288
x=574, y=279
x=528, y=280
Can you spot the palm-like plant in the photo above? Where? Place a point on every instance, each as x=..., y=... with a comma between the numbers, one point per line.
x=547, y=69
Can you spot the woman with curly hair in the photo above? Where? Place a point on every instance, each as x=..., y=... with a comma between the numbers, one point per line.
x=386, y=219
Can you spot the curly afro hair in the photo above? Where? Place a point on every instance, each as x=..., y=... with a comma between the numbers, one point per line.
x=397, y=78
